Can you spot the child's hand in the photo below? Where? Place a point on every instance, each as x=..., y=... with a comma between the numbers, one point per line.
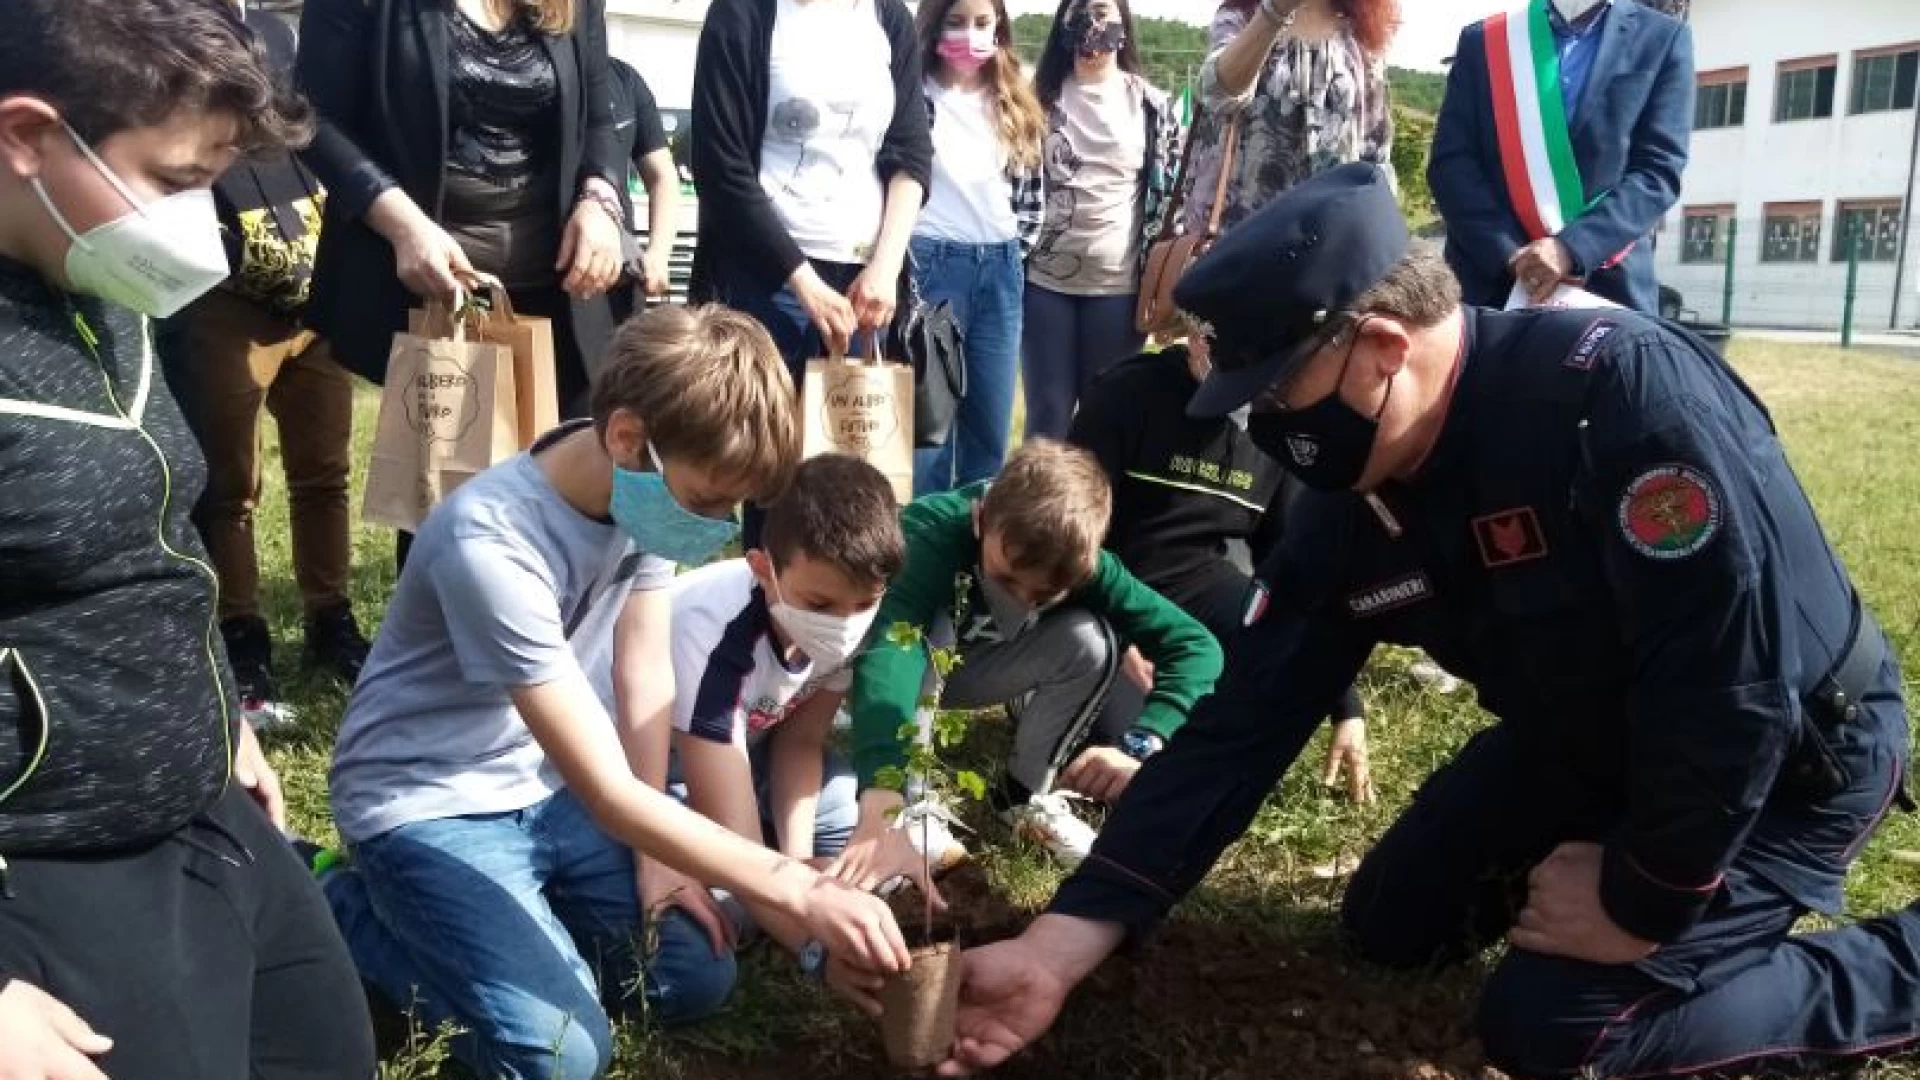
x=1138, y=669
x=663, y=887
x=1348, y=753
x=855, y=926
x=1100, y=772
x=859, y=987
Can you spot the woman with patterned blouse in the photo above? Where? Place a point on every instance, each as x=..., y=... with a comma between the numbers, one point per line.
x=1308, y=80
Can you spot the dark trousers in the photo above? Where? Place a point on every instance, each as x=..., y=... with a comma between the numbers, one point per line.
x=1738, y=992
x=209, y=956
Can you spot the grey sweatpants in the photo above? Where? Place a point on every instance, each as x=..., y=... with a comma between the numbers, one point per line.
x=1052, y=679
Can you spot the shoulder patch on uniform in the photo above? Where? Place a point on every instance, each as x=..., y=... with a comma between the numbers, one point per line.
x=1587, y=349
x=1388, y=595
x=1509, y=536
x=1670, y=512
x=1255, y=609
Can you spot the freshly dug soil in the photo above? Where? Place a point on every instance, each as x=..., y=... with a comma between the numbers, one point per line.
x=1200, y=1001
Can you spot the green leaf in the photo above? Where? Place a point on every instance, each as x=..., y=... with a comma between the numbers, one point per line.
x=904, y=634
x=891, y=777
x=972, y=783
x=908, y=732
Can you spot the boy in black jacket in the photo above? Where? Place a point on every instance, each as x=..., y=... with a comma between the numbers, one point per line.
x=1186, y=493
x=153, y=922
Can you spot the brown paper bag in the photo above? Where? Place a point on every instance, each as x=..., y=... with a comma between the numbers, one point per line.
x=537, y=404
x=447, y=411
x=863, y=408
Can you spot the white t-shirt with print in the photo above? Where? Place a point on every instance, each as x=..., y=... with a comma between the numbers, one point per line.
x=969, y=202
x=829, y=104
x=729, y=685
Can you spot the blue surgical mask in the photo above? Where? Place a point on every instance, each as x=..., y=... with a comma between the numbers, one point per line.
x=647, y=510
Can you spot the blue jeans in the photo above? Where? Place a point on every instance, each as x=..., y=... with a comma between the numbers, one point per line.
x=1067, y=341
x=524, y=929
x=983, y=283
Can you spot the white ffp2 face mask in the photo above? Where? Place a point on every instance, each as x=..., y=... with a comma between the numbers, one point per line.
x=1572, y=10
x=156, y=259
x=828, y=640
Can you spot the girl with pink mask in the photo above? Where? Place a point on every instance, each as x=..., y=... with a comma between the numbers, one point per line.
x=982, y=216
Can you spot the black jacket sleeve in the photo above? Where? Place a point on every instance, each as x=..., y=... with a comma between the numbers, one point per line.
x=908, y=146
x=1199, y=794
x=729, y=107
x=1680, y=491
x=332, y=71
x=600, y=150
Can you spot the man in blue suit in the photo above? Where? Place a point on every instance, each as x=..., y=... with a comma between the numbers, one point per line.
x=1625, y=109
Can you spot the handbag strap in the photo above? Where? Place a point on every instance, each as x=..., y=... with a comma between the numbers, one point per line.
x=1226, y=170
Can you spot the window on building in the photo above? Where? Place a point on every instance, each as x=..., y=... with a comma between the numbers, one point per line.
x=1804, y=89
x=1703, y=233
x=1791, y=233
x=1721, y=100
x=1884, y=79
x=1876, y=223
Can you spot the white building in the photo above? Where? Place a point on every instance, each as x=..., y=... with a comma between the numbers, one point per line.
x=1807, y=130
x=659, y=38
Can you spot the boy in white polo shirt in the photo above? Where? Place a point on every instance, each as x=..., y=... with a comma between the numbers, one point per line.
x=761, y=660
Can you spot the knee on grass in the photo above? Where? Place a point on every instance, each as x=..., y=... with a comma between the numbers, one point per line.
x=578, y=1048
x=685, y=980
x=1529, y=1025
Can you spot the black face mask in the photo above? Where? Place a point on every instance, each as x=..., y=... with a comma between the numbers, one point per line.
x=1088, y=39
x=1326, y=444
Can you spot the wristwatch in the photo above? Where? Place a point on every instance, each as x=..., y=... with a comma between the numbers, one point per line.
x=813, y=959
x=1141, y=744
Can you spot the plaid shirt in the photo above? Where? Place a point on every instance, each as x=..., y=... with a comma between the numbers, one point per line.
x=1026, y=191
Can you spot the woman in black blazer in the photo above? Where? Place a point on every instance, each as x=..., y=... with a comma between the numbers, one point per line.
x=455, y=136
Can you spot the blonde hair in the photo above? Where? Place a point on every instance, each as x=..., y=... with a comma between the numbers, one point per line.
x=1017, y=116
x=548, y=16
x=711, y=387
x=1050, y=506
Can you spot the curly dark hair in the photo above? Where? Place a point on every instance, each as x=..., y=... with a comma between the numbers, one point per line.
x=111, y=65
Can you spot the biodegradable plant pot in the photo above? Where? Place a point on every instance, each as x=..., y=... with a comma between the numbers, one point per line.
x=917, y=1007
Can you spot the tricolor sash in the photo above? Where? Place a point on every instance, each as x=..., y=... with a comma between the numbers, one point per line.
x=1530, y=116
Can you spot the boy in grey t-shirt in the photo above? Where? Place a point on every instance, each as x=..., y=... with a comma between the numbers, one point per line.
x=497, y=804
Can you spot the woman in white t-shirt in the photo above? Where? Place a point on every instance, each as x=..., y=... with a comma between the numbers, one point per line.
x=810, y=154
x=982, y=216
x=1112, y=142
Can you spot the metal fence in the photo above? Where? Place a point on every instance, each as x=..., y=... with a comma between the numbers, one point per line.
x=1848, y=272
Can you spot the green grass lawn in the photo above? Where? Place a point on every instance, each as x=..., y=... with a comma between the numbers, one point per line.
x=1246, y=975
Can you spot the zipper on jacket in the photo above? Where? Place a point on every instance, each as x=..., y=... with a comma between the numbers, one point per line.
x=46, y=726
x=92, y=342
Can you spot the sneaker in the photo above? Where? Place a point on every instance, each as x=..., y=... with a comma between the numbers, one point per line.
x=930, y=826
x=335, y=644
x=1048, y=821
x=1439, y=679
x=250, y=651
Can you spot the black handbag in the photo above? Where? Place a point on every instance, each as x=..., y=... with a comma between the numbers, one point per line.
x=929, y=339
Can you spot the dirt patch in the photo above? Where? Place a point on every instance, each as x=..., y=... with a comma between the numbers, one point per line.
x=1200, y=1000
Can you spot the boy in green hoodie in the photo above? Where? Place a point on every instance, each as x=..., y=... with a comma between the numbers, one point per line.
x=1012, y=574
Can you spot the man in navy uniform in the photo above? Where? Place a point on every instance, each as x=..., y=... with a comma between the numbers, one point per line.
x=1588, y=516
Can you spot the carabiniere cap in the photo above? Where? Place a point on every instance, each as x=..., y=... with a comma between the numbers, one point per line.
x=1273, y=284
